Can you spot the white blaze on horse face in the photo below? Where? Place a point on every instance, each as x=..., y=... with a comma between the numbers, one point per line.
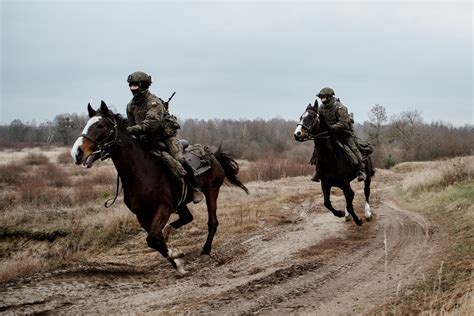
x=79, y=140
x=299, y=128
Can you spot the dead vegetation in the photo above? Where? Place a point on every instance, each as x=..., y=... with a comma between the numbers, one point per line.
x=444, y=192
x=52, y=212
x=52, y=215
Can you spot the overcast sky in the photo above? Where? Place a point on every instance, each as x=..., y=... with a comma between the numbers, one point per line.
x=238, y=59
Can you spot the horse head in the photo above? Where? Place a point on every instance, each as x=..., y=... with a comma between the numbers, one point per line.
x=309, y=124
x=98, y=137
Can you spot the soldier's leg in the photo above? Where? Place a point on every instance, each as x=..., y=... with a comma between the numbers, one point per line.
x=176, y=150
x=352, y=145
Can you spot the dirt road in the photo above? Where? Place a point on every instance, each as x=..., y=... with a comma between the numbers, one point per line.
x=311, y=263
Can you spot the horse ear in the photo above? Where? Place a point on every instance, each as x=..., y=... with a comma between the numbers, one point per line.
x=91, y=111
x=316, y=105
x=103, y=108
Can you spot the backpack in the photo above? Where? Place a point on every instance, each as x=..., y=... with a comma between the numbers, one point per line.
x=170, y=125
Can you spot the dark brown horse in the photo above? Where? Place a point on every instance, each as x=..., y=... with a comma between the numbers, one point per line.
x=150, y=191
x=334, y=168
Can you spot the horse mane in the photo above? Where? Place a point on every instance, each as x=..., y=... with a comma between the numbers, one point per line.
x=323, y=125
x=118, y=118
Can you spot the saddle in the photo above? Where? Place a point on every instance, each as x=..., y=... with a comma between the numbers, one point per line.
x=198, y=156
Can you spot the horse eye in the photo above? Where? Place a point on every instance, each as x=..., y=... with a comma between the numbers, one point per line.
x=100, y=125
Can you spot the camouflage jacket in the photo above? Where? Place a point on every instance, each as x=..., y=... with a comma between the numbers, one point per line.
x=337, y=117
x=146, y=115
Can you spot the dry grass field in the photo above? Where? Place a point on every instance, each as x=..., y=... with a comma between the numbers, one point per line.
x=277, y=240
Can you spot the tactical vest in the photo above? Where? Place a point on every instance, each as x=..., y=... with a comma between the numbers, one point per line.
x=329, y=112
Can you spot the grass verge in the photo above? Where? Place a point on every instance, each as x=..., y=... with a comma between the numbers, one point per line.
x=444, y=193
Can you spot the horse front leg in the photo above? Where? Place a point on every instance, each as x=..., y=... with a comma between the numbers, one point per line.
x=156, y=240
x=185, y=217
x=326, y=188
x=349, y=195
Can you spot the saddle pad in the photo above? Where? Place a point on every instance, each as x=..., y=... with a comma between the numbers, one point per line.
x=199, y=157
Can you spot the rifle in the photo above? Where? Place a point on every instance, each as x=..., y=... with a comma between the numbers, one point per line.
x=168, y=102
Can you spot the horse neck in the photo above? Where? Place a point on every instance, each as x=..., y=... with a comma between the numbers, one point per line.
x=130, y=160
x=325, y=149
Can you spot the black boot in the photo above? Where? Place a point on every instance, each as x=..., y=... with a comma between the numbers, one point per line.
x=197, y=194
x=316, y=177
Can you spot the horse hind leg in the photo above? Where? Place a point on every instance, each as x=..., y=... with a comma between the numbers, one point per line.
x=185, y=217
x=212, y=222
x=367, y=211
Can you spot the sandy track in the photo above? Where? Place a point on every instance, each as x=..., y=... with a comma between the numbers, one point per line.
x=312, y=263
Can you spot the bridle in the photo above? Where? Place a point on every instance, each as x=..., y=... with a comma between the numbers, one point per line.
x=105, y=147
x=324, y=134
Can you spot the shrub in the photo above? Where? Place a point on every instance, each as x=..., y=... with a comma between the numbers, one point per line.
x=7, y=200
x=388, y=162
x=272, y=169
x=34, y=192
x=11, y=173
x=65, y=158
x=35, y=159
x=54, y=175
x=85, y=194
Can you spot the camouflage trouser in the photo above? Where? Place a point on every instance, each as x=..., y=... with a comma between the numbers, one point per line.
x=350, y=141
x=173, y=157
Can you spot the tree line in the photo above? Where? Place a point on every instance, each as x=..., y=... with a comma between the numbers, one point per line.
x=397, y=138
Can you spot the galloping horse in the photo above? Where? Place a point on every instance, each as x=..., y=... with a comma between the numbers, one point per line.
x=335, y=169
x=150, y=191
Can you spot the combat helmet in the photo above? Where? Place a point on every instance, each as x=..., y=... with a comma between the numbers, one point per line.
x=139, y=77
x=326, y=92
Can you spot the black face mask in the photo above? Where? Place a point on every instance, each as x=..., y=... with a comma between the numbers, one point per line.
x=327, y=100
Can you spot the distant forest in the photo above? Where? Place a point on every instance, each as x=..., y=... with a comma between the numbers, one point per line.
x=399, y=138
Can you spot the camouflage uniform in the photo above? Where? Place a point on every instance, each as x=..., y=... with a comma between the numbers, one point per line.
x=340, y=122
x=146, y=116
x=337, y=117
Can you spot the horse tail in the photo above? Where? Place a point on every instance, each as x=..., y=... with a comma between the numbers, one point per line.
x=231, y=168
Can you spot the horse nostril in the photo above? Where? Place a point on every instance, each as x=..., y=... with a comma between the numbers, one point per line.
x=79, y=155
x=298, y=133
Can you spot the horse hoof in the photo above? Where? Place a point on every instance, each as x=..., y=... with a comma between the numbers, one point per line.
x=348, y=218
x=358, y=222
x=180, y=267
x=369, y=218
x=340, y=214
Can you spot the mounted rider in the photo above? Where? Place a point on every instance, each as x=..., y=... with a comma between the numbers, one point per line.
x=340, y=124
x=149, y=120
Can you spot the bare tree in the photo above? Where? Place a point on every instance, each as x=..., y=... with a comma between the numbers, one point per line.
x=377, y=117
x=405, y=128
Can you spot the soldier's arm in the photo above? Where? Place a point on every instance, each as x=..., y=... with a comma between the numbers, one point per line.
x=152, y=121
x=344, y=120
x=130, y=117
